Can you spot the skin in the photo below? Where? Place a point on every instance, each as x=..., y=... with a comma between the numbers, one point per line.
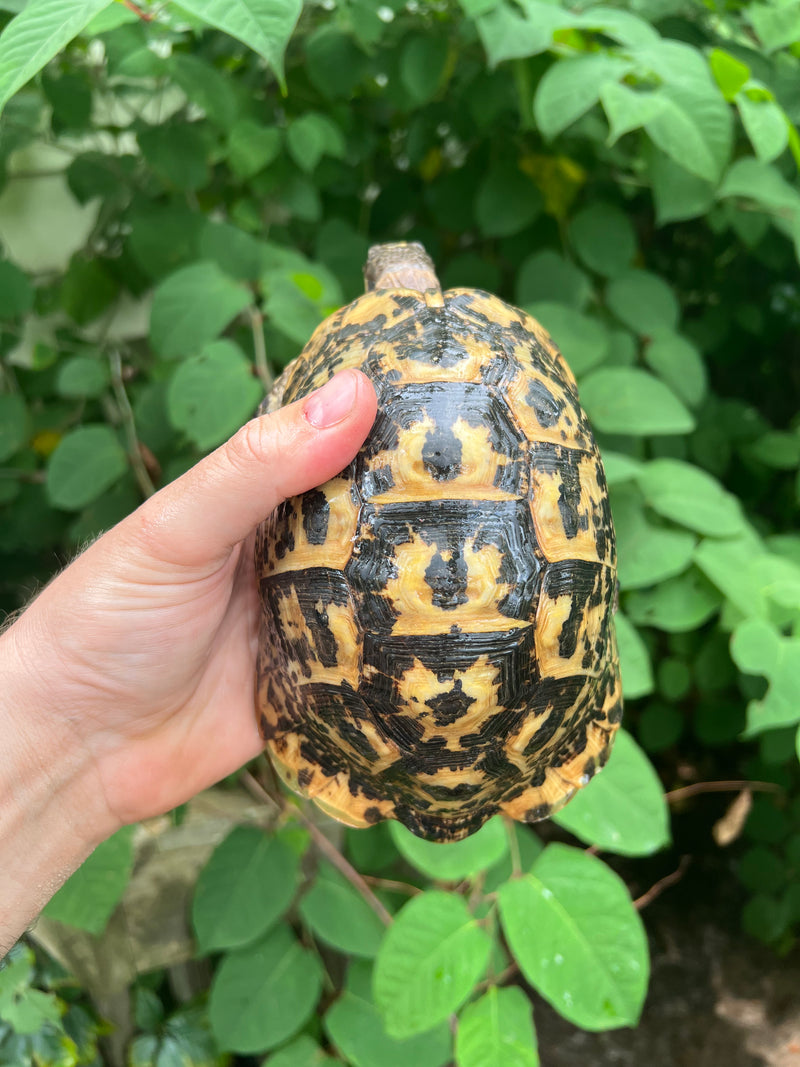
x=128, y=682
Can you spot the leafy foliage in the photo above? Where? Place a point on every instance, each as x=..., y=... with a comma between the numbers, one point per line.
x=186, y=190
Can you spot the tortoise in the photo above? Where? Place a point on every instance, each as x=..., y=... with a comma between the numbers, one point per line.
x=437, y=640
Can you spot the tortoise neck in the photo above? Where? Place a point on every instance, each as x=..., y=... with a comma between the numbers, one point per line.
x=400, y=265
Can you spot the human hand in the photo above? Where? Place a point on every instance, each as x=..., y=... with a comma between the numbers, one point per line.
x=129, y=681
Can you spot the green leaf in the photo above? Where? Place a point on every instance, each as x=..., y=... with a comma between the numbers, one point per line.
x=82, y=376
x=647, y=553
x=37, y=34
x=263, y=994
x=729, y=72
x=776, y=448
x=183, y=1041
x=423, y=63
x=356, y=1028
x=235, y=252
x=431, y=958
x=777, y=25
x=678, y=363
x=302, y=1052
x=192, y=307
x=263, y=25
x=24, y=1009
x=506, y=34
x=252, y=147
x=86, y=462
x=578, y=939
x=87, y=290
x=753, y=180
x=311, y=137
x=340, y=916
x=623, y=26
x=177, y=153
x=677, y=193
x=695, y=126
x=454, y=860
x=164, y=237
x=690, y=497
x=245, y=887
x=205, y=86
x=16, y=292
x=89, y=896
x=13, y=424
x=628, y=109
x=570, y=87
x=637, y=671
x=507, y=201
x=622, y=809
x=766, y=126
x=547, y=276
x=627, y=400
x=620, y=467
x=211, y=395
x=757, y=648
x=497, y=1031
x=584, y=342
x=604, y=238
x=643, y=301
x=677, y=605
x=729, y=565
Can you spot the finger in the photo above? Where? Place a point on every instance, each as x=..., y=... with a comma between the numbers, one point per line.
x=197, y=519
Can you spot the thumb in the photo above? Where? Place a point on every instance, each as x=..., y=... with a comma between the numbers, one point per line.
x=198, y=518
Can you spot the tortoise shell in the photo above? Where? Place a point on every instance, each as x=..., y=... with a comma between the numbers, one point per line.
x=437, y=642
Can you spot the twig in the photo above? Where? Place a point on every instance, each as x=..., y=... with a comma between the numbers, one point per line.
x=497, y=979
x=720, y=787
x=326, y=848
x=34, y=477
x=145, y=16
x=392, y=886
x=129, y=425
x=259, y=349
x=663, y=883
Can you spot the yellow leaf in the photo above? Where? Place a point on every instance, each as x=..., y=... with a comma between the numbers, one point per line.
x=45, y=442
x=558, y=179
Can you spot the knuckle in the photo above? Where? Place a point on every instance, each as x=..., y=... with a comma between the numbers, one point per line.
x=248, y=446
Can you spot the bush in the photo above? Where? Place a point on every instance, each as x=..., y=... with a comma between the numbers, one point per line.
x=177, y=214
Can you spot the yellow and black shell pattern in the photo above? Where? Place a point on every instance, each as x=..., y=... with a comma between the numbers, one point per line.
x=437, y=638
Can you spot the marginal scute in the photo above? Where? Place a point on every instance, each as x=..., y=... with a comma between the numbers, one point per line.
x=437, y=641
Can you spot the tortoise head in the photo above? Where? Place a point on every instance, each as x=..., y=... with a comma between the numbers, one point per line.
x=400, y=265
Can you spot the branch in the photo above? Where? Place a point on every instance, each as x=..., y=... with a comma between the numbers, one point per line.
x=129, y=425
x=392, y=886
x=329, y=850
x=145, y=16
x=259, y=349
x=720, y=787
x=662, y=884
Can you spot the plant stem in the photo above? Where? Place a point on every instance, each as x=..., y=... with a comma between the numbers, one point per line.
x=329, y=850
x=513, y=847
x=663, y=883
x=134, y=451
x=393, y=886
x=720, y=787
x=145, y=16
x=260, y=350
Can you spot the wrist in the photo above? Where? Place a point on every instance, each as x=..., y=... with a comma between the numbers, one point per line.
x=51, y=817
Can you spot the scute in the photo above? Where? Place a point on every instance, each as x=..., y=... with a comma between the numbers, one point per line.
x=437, y=639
